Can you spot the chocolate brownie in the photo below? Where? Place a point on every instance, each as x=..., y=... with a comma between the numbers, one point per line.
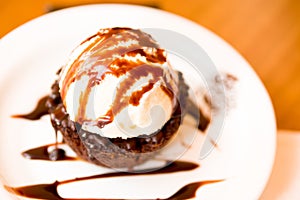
x=114, y=152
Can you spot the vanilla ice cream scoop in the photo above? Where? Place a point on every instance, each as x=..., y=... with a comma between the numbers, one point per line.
x=118, y=83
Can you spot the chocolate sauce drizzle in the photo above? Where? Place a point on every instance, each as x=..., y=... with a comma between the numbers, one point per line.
x=39, y=111
x=43, y=153
x=49, y=191
x=101, y=53
x=197, y=113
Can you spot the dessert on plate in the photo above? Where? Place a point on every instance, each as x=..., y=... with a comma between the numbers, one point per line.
x=118, y=101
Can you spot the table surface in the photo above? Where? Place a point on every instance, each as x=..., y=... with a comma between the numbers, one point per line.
x=284, y=183
x=266, y=33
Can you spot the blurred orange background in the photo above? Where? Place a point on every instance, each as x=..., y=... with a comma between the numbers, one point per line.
x=265, y=32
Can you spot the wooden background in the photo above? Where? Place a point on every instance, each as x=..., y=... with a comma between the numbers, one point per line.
x=265, y=32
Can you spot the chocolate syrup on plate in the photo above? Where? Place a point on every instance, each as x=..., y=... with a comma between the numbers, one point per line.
x=39, y=111
x=49, y=191
x=43, y=153
x=197, y=113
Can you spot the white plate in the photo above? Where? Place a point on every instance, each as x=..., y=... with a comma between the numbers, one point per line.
x=30, y=56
